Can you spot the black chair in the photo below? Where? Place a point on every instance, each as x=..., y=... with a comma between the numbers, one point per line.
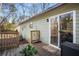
x=69, y=49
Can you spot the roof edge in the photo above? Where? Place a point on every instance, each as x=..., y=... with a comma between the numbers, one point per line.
x=53, y=7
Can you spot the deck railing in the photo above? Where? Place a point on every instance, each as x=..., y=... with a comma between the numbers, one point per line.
x=8, y=39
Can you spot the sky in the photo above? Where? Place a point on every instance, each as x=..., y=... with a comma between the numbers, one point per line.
x=29, y=6
x=19, y=11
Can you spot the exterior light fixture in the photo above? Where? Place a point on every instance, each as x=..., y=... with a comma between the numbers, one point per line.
x=47, y=20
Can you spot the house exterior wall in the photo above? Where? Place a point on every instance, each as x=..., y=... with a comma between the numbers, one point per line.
x=18, y=29
x=77, y=26
x=43, y=26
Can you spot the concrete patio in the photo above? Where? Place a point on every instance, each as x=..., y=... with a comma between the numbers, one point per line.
x=43, y=50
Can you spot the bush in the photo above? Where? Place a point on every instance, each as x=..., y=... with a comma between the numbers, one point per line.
x=29, y=50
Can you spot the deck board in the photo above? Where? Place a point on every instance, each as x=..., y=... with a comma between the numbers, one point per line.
x=39, y=46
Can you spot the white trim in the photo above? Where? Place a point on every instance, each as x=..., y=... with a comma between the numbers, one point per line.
x=66, y=12
x=58, y=32
x=74, y=26
x=49, y=31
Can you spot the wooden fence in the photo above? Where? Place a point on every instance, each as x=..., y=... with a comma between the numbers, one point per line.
x=8, y=40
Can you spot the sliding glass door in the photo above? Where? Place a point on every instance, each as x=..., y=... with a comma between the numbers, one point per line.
x=61, y=28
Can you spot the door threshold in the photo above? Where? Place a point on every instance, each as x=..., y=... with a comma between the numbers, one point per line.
x=55, y=46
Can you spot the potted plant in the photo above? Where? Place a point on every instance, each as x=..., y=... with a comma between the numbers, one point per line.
x=29, y=50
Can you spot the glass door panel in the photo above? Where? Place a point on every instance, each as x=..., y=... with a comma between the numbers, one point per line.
x=54, y=31
x=66, y=27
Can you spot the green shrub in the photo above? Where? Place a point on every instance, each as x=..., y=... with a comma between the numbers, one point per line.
x=29, y=50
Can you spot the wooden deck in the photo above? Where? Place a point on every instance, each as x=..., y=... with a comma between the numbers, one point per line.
x=43, y=50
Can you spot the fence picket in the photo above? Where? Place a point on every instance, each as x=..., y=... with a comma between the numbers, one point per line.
x=8, y=40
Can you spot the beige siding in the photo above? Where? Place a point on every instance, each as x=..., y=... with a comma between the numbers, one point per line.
x=19, y=29
x=41, y=25
x=25, y=31
x=77, y=26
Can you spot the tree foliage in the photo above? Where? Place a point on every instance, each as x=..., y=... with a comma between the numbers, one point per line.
x=9, y=26
x=15, y=11
x=9, y=10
